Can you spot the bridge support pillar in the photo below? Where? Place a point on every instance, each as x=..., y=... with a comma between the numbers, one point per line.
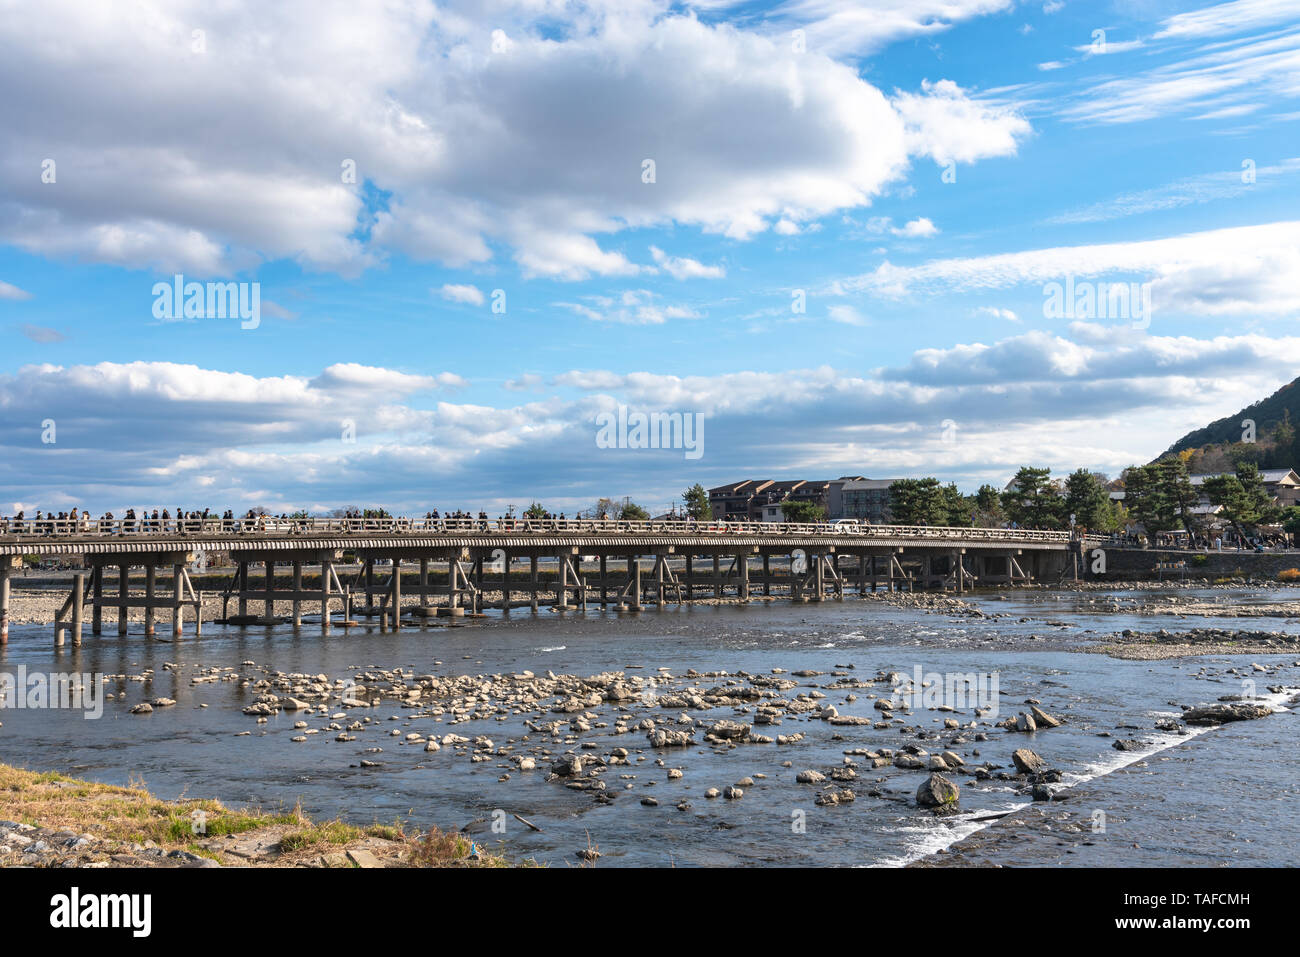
x=424, y=583
x=717, y=575
x=297, y=589
x=268, y=606
x=742, y=569
x=326, y=569
x=242, y=573
x=767, y=574
x=636, y=583
x=178, y=592
x=150, y=593
x=505, y=582
x=7, y=565
x=532, y=574
x=123, y=590
x=97, y=597
x=396, y=613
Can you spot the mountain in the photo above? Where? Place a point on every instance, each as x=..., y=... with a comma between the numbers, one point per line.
x=1222, y=439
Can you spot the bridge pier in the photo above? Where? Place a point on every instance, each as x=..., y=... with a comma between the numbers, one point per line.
x=7, y=566
x=396, y=614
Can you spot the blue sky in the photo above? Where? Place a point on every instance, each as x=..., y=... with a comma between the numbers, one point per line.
x=918, y=172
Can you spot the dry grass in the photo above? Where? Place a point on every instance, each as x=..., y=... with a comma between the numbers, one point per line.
x=131, y=815
x=128, y=814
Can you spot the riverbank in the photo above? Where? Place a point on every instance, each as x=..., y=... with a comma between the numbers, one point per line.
x=57, y=821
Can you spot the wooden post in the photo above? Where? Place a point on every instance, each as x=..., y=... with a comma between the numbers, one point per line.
x=424, y=583
x=178, y=592
x=603, y=596
x=370, y=584
x=150, y=593
x=123, y=593
x=297, y=589
x=397, y=594
x=533, y=566
x=505, y=582
x=659, y=580
x=636, y=580
x=717, y=575
x=325, y=568
x=97, y=596
x=742, y=564
x=767, y=574
x=564, y=582
x=78, y=599
x=242, y=578
x=5, y=566
x=690, y=592
x=269, y=605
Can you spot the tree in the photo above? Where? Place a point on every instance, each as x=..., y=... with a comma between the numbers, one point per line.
x=1031, y=501
x=1244, y=500
x=536, y=510
x=1087, y=499
x=1261, y=503
x=629, y=511
x=1176, y=486
x=917, y=502
x=697, y=503
x=988, y=507
x=1291, y=520
x=957, y=509
x=794, y=510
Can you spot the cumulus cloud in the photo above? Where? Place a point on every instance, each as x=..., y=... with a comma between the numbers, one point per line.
x=441, y=132
x=1091, y=396
x=454, y=292
x=679, y=267
x=917, y=229
x=13, y=293
x=946, y=124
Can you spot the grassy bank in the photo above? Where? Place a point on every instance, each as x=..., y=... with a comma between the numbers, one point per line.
x=105, y=825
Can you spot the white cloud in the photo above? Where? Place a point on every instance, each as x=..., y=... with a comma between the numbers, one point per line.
x=470, y=144
x=12, y=292
x=917, y=228
x=1242, y=270
x=946, y=124
x=683, y=268
x=845, y=315
x=837, y=28
x=996, y=312
x=1101, y=398
x=454, y=292
x=1227, y=18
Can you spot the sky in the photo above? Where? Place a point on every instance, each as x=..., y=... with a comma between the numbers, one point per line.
x=881, y=238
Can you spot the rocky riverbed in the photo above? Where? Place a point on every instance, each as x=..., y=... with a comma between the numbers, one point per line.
x=701, y=735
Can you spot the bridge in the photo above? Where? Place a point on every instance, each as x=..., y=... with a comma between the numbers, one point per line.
x=454, y=563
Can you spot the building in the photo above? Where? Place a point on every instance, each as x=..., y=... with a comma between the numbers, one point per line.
x=731, y=503
x=759, y=500
x=1282, y=485
x=866, y=500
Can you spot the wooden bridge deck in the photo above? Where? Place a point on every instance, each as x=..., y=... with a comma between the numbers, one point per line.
x=825, y=559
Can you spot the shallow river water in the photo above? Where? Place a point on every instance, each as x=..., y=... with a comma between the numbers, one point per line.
x=1218, y=796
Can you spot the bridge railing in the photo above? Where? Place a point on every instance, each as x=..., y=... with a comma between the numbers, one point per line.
x=267, y=526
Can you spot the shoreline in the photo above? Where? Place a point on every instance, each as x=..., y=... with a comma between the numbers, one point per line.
x=54, y=820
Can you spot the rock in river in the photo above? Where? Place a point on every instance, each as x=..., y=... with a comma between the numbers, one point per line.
x=936, y=791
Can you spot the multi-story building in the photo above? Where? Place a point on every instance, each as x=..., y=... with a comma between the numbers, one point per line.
x=759, y=500
x=866, y=500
